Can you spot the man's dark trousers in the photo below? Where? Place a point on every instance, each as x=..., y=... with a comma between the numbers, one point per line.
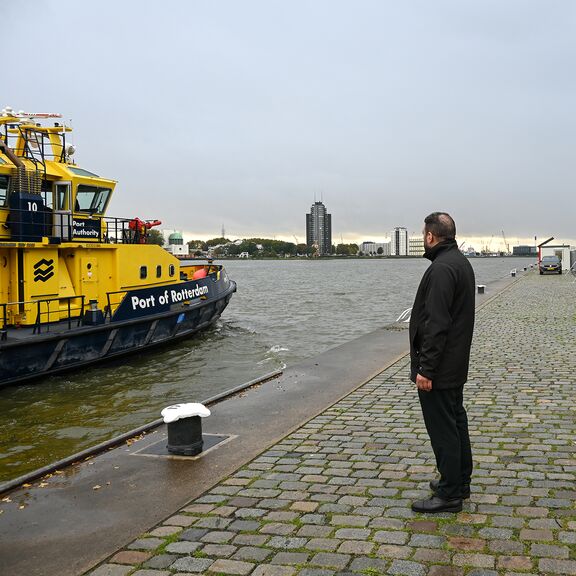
x=447, y=425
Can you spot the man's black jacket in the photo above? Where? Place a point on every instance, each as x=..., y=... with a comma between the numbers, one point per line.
x=442, y=320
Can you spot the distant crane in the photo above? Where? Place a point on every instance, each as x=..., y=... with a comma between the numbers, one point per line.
x=295, y=239
x=506, y=243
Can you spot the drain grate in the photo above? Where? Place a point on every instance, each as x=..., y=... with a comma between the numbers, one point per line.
x=158, y=449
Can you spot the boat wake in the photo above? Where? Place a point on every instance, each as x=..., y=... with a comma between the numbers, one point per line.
x=278, y=348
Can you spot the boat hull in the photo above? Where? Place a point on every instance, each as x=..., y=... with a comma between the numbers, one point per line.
x=30, y=358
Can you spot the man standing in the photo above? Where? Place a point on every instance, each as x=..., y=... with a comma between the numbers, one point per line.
x=441, y=328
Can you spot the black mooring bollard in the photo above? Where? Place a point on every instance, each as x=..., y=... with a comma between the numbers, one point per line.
x=184, y=423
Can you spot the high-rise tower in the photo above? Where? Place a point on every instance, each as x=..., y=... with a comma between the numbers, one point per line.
x=319, y=228
x=399, y=242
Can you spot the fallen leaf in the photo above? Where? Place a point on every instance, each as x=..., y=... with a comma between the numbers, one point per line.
x=6, y=499
x=97, y=487
x=42, y=484
x=21, y=507
x=26, y=485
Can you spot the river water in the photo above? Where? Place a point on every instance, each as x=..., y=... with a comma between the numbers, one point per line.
x=284, y=311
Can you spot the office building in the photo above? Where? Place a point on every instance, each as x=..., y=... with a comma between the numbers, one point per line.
x=399, y=242
x=524, y=251
x=415, y=246
x=375, y=248
x=319, y=229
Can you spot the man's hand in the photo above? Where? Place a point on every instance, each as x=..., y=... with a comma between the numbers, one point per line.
x=423, y=383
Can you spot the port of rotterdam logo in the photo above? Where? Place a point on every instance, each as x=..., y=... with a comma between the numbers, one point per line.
x=43, y=270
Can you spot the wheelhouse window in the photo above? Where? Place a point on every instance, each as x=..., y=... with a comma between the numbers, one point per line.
x=81, y=171
x=143, y=272
x=91, y=199
x=47, y=196
x=159, y=271
x=62, y=196
x=4, y=181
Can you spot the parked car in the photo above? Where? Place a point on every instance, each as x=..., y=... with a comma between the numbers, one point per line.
x=550, y=264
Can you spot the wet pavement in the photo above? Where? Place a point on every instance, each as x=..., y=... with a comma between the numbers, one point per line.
x=333, y=497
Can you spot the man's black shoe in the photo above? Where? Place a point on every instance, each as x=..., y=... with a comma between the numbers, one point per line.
x=465, y=489
x=436, y=504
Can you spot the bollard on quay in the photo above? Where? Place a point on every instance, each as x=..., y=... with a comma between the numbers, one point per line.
x=480, y=288
x=184, y=423
x=513, y=272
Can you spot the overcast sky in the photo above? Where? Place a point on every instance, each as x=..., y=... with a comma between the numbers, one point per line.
x=242, y=112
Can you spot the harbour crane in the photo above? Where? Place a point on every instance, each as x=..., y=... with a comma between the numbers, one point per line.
x=506, y=243
x=487, y=246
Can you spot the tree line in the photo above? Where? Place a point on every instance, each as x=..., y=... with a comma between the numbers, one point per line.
x=263, y=248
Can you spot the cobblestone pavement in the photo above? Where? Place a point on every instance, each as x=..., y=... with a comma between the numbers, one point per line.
x=334, y=497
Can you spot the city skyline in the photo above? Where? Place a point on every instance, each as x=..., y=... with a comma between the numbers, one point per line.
x=494, y=242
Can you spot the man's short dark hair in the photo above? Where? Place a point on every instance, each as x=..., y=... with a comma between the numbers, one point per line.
x=441, y=225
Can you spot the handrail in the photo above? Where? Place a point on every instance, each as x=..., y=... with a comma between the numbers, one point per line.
x=40, y=221
x=38, y=324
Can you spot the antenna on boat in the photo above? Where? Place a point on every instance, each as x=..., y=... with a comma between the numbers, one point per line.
x=9, y=111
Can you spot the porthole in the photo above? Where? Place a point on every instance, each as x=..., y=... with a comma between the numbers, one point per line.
x=171, y=270
x=143, y=272
x=158, y=271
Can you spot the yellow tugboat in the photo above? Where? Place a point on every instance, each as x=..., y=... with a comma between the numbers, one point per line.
x=76, y=286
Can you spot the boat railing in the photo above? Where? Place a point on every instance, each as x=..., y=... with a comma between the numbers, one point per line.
x=33, y=144
x=41, y=323
x=31, y=221
x=49, y=311
x=114, y=300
